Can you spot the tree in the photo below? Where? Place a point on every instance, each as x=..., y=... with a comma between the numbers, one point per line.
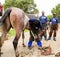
x=49, y=17
x=57, y=11
x=25, y=5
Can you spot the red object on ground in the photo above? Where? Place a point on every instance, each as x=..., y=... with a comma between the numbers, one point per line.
x=57, y=54
x=46, y=51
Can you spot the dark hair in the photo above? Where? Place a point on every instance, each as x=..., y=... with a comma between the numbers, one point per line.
x=54, y=13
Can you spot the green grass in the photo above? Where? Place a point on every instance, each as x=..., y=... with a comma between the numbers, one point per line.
x=13, y=33
x=26, y=30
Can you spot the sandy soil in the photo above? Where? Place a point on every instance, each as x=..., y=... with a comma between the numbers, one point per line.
x=8, y=50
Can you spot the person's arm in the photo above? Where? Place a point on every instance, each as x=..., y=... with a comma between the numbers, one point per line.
x=46, y=19
x=40, y=18
x=57, y=20
x=57, y=23
x=40, y=25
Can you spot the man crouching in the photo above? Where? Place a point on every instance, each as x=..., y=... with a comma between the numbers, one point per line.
x=34, y=25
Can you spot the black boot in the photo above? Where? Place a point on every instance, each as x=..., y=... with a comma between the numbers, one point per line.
x=45, y=38
x=54, y=38
x=49, y=38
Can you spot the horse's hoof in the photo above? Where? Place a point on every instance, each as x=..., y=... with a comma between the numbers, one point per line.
x=1, y=53
x=17, y=55
x=58, y=54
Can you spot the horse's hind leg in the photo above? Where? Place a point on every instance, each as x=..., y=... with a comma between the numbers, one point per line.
x=2, y=37
x=5, y=28
x=15, y=41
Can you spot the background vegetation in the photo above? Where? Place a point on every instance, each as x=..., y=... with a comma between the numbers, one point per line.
x=57, y=11
x=28, y=6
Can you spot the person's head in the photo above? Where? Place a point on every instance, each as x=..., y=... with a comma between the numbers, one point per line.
x=43, y=13
x=54, y=14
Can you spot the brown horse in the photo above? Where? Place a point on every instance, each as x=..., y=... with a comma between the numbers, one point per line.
x=16, y=18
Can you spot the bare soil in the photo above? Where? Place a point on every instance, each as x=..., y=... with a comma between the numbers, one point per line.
x=8, y=50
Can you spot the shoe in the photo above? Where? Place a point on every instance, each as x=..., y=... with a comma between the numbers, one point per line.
x=29, y=44
x=49, y=38
x=54, y=38
x=46, y=38
x=39, y=43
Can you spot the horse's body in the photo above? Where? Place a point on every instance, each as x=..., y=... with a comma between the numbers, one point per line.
x=16, y=18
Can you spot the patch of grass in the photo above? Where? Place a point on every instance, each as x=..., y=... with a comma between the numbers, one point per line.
x=26, y=30
x=13, y=33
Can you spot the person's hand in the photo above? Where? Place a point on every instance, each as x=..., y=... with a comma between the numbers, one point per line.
x=50, y=23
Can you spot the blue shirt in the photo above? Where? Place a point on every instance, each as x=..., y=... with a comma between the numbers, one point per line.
x=33, y=25
x=32, y=19
x=43, y=19
x=54, y=20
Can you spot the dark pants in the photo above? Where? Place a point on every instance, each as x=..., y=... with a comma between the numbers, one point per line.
x=44, y=27
x=35, y=34
x=53, y=30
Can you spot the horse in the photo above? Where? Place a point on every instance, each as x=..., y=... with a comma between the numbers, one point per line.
x=15, y=18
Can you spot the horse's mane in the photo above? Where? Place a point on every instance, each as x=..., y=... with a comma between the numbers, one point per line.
x=6, y=13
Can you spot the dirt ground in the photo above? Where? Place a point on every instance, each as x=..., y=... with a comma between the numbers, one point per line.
x=8, y=50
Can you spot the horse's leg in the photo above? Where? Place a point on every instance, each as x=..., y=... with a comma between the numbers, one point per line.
x=2, y=38
x=15, y=41
x=4, y=29
x=23, y=38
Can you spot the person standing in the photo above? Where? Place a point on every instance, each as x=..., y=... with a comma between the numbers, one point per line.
x=43, y=22
x=54, y=27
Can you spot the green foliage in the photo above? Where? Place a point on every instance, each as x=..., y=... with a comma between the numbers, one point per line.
x=49, y=17
x=25, y=5
x=13, y=33
x=57, y=11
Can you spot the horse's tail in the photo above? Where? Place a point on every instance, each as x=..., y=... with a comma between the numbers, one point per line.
x=6, y=13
